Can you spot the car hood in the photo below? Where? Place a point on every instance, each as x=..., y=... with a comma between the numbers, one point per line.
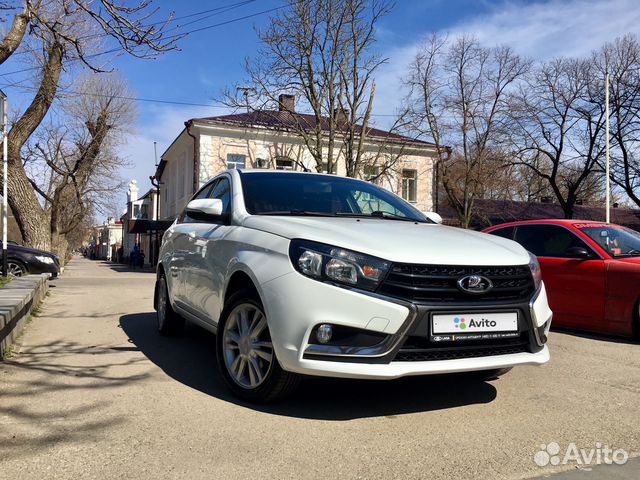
x=33, y=251
x=397, y=241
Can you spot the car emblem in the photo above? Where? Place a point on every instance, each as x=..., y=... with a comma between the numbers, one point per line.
x=475, y=284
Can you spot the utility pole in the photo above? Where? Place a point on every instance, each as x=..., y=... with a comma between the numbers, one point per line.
x=607, y=194
x=4, y=113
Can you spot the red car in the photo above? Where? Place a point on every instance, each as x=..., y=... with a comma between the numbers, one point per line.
x=591, y=271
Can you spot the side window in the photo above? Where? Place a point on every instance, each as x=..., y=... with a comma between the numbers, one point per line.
x=203, y=193
x=506, y=232
x=547, y=240
x=222, y=190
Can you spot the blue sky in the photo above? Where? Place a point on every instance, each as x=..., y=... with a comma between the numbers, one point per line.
x=213, y=59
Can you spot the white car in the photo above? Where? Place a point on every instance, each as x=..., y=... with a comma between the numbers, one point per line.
x=302, y=273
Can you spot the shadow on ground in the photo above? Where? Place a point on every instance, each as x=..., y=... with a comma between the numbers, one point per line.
x=123, y=268
x=190, y=359
x=60, y=366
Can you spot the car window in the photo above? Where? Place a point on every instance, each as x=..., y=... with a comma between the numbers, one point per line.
x=203, y=193
x=222, y=191
x=616, y=241
x=548, y=240
x=506, y=232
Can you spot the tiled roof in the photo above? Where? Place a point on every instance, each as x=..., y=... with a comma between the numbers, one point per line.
x=494, y=212
x=284, y=120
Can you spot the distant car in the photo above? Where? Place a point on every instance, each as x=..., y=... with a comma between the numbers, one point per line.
x=591, y=270
x=24, y=260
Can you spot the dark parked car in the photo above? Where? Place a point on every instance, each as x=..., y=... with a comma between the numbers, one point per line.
x=25, y=260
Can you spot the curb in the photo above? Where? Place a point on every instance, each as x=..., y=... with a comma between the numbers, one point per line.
x=17, y=301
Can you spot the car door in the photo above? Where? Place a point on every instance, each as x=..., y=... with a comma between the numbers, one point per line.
x=575, y=286
x=181, y=236
x=204, y=277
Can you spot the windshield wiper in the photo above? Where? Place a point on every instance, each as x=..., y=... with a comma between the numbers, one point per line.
x=299, y=213
x=378, y=214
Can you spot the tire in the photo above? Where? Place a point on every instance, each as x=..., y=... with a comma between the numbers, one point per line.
x=493, y=374
x=245, y=354
x=635, y=322
x=169, y=322
x=15, y=268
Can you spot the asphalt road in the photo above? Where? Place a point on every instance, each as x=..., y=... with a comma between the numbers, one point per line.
x=95, y=392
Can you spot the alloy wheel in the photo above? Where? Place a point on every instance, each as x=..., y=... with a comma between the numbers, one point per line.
x=248, y=351
x=14, y=270
x=162, y=305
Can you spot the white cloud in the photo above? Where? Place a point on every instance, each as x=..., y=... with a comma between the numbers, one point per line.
x=541, y=31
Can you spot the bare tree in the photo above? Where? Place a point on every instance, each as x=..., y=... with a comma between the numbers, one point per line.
x=558, y=128
x=458, y=97
x=73, y=166
x=67, y=31
x=621, y=59
x=321, y=52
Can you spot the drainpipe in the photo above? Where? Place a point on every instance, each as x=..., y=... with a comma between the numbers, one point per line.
x=188, y=124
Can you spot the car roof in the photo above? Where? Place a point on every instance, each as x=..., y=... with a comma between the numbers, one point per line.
x=283, y=172
x=555, y=221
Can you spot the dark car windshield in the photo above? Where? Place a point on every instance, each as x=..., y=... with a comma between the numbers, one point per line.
x=616, y=241
x=303, y=194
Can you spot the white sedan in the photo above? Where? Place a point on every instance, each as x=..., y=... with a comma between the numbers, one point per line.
x=302, y=273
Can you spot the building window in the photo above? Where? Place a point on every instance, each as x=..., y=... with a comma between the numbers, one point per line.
x=409, y=185
x=262, y=163
x=284, y=163
x=325, y=167
x=235, y=160
x=136, y=211
x=371, y=173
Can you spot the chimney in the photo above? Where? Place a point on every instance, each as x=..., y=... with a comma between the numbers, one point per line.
x=287, y=103
x=616, y=204
x=132, y=193
x=341, y=114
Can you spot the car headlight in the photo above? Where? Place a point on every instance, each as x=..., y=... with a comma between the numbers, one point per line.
x=337, y=265
x=43, y=259
x=534, y=266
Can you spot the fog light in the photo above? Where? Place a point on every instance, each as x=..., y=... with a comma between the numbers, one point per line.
x=324, y=333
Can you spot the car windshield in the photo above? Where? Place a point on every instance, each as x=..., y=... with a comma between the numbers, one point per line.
x=303, y=194
x=617, y=241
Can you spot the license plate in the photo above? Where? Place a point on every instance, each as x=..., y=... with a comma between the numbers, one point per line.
x=474, y=326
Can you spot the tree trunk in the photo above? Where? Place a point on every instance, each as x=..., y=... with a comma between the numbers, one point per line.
x=28, y=212
x=14, y=37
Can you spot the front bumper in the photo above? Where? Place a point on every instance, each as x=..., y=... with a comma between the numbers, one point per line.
x=36, y=267
x=295, y=305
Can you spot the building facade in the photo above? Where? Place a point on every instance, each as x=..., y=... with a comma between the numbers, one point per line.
x=268, y=139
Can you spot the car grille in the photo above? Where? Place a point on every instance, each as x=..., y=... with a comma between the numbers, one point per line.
x=438, y=283
x=410, y=355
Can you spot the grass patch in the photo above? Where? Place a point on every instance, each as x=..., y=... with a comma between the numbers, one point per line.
x=8, y=352
x=4, y=281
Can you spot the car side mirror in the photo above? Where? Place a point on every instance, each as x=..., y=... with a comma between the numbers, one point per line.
x=205, y=209
x=434, y=217
x=578, y=252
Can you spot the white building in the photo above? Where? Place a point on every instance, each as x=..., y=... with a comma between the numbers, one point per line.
x=267, y=139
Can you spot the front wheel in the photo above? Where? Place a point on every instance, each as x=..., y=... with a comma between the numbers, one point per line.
x=169, y=322
x=246, y=358
x=15, y=268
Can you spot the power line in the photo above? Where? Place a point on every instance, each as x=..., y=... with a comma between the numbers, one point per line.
x=152, y=100
x=171, y=37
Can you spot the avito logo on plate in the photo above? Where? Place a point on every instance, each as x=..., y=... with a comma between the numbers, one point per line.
x=474, y=326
